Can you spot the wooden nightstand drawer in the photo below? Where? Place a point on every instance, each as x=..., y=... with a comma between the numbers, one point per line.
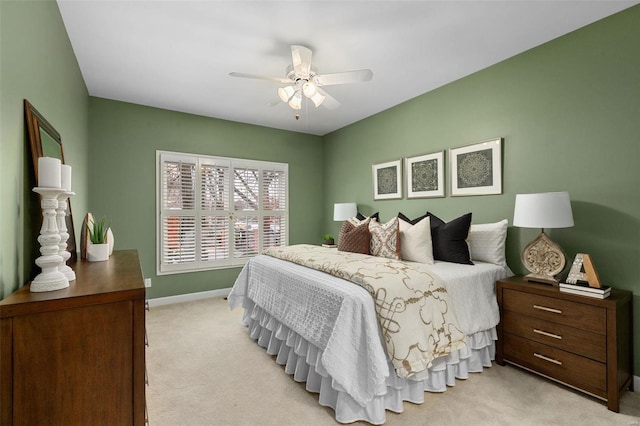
x=561, y=365
x=572, y=314
x=570, y=339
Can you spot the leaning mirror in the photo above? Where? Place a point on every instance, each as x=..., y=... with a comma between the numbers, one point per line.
x=45, y=141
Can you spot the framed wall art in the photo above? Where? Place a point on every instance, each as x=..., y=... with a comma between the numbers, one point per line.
x=476, y=169
x=425, y=175
x=387, y=180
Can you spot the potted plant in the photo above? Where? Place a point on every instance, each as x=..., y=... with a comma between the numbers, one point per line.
x=328, y=240
x=98, y=249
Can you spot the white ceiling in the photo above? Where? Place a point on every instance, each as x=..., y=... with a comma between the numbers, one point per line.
x=177, y=55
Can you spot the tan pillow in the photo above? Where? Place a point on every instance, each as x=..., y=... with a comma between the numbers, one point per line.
x=385, y=239
x=354, y=238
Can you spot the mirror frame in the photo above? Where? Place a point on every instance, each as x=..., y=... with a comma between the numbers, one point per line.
x=35, y=122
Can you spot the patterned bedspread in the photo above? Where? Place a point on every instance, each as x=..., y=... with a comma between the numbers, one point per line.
x=414, y=311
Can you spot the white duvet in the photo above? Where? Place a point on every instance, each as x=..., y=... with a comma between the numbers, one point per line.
x=339, y=317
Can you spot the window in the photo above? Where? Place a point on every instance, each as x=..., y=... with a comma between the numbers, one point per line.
x=216, y=212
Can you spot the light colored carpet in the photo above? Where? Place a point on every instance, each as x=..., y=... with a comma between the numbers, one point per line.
x=204, y=370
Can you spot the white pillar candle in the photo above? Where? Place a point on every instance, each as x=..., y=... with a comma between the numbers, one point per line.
x=49, y=173
x=66, y=177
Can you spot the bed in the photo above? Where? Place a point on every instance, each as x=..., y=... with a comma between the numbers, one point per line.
x=324, y=330
x=343, y=339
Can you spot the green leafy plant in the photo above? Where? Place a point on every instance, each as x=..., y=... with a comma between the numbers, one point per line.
x=98, y=231
x=328, y=238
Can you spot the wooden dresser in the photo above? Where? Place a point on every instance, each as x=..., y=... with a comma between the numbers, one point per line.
x=580, y=341
x=76, y=356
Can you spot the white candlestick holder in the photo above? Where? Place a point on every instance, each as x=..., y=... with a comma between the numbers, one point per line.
x=50, y=260
x=61, y=217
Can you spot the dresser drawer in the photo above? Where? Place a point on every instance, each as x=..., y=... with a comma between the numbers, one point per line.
x=561, y=365
x=572, y=314
x=570, y=339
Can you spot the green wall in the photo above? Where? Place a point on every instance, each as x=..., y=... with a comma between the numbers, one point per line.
x=569, y=113
x=37, y=63
x=124, y=139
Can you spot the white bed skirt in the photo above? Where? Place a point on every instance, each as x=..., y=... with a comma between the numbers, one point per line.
x=303, y=360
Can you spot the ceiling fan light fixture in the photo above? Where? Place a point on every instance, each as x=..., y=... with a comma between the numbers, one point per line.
x=303, y=80
x=317, y=99
x=285, y=93
x=309, y=89
x=296, y=101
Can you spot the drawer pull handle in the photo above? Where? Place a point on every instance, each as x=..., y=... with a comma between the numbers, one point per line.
x=546, y=358
x=544, y=333
x=544, y=308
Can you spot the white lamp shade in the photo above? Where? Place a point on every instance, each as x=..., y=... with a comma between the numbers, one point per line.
x=344, y=211
x=317, y=99
x=309, y=89
x=543, y=210
x=296, y=101
x=285, y=93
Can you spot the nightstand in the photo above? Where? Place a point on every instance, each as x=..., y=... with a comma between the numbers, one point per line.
x=579, y=341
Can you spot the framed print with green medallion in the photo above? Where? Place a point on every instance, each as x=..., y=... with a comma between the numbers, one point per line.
x=387, y=180
x=425, y=175
x=476, y=169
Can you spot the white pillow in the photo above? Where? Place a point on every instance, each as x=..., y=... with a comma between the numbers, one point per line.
x=415, y=241
x=487, y=242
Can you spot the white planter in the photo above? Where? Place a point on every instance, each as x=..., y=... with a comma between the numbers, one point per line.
x=97, y=252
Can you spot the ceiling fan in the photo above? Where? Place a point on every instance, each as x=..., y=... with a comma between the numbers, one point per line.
x=303, y=80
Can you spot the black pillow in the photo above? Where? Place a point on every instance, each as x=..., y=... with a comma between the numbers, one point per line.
x=449, y=239
x=375, y=216
x=412, y=221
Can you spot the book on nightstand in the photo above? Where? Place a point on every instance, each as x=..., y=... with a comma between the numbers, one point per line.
x=582, y=288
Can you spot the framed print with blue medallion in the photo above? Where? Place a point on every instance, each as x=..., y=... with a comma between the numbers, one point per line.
x=387, y=180
x=476, y=169
x=425, y=175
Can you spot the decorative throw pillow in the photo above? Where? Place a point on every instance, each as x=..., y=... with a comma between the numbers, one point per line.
x=412, y=221
x=487, y=242
x=415, y=239
x=354, y=238
x=449, y=239
x=375, y=216
x=385, y=239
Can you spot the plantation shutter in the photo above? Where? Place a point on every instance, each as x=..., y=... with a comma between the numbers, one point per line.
x=246, y=202
x=178, y=214
x=214, y=218
x=217, y=212
x=274, y=205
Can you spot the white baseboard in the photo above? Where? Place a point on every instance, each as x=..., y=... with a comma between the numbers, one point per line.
x=189, y=297
x=636, y=383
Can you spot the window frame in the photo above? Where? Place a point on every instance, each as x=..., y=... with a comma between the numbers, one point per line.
x=232, y=260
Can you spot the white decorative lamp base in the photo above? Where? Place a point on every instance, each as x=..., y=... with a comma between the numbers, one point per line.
x=50, y=260
x=61, y=217
x=544, y=259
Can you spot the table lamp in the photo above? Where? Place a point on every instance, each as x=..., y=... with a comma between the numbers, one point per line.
x=344, y=211
x=542, y=257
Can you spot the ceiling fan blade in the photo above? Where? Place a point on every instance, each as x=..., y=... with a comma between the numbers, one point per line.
x=329, y=101
x=356, y=76
x=301, y=59
x=261, y=77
